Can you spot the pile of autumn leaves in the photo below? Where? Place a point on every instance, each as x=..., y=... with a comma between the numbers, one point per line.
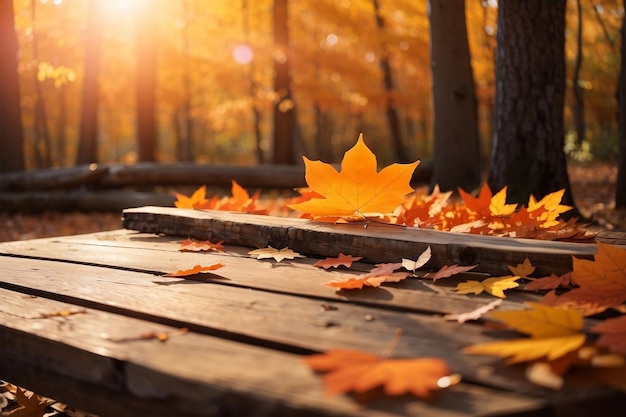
x=556, y=339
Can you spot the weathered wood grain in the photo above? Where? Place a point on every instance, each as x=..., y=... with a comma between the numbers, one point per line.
x=377, y=243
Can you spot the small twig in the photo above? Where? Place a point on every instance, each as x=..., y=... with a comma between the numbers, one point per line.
x=392, y=344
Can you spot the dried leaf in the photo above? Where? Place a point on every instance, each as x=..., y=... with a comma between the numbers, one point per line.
x=474, y=314
x=522, y=270
x=494, y=286
x=358, y=191
x=366, y=280
x=411, y=265
x=33, y=406
x=550, y=282
x=448, y=271
x=345, y=260
x=361, y=372
x=612, y=334
x=541, y=320
x=198, y=197
x=198, y=269
x=383, y=269
x=277, y=254
x=191, y=245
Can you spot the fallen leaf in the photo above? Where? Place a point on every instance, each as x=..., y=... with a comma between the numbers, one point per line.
x=522, y=270
x=33, y=406
x=360, y=372
x=366, y=280
x=411, y=265
x=198, y=197
x=498, y=206
x=550, y=282
x=277, y=254
x=602, y=281
x=541, y=320
x=345, y=260
x=448, y=271
x=198, y=269
x=383, y=269
x=612, y=334
x=64, y=313
x=191, y=245
x=474, y=314
x=494, y=286
x=358, y=191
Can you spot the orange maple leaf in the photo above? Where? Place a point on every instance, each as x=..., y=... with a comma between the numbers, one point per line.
x=602, y=281
x=358, y=191
x=345, y=260
x=367, y=280
x=198, y=269
x=198, y=197
x=478, y=204
x=360, y=372
x=192, y=245
x=612, y=334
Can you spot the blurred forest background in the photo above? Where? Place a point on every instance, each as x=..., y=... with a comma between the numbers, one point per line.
x=213, y=64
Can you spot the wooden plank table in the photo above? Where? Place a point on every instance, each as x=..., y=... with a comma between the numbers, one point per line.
x=250, y=327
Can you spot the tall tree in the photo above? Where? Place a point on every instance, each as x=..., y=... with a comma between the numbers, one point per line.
x=146, y=80
x=393, y=119
x=527, y=153
x=88, y=133
x=578, y=110
x=620, y=190
x=285, y=121
x=11, y=135
x=456, y=144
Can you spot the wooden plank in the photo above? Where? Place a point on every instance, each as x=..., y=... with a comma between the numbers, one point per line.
x=377, y=243
x=287, y=323
x=143, y=252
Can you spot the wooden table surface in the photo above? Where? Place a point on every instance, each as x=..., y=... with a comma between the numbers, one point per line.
x=248, y=333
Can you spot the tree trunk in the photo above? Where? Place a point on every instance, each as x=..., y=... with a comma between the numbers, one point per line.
x=11, y=134
x=579, y=104
x=392, y=114
x=146, y=81
x=620, y=190
x=527, y=153
x=456, y=144
x=88, y=134
x=285, y=123
x=184, y=142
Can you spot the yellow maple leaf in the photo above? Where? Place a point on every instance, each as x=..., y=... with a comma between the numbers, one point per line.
x=358, y=191
x=494, y=286
x=552, y=205
x=528, y=349
x=498, y=206
x=522, y=270
x=554, y=332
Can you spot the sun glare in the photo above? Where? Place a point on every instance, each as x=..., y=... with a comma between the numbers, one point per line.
x=242, y=54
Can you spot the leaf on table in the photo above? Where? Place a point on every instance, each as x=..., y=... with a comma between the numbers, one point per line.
x=474, y=314
x=550, y=282
x=361, y=372
x=522, y=270
x=411, y=265
x=192, y=245
x=448, y=271
x=33, y=406
x=601, y=281
x=345, y=260
x=612, y=334
x=358, y=191
x=277, y=254
x=240, y=200
x=480, y=204
x=552, y=208
x=198, y=269
x=383, y=269
x=366, y=280
x=494, y=286
x=64, y=313
x=198, y=197
x=554, y=332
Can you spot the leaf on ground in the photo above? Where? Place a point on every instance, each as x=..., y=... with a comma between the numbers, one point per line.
x=33, y=406
x=494, y=286
x=358, y=191
x=366, y=280
x=550, y=282
x=192, y=245
x=522, y=270
x=361, y=372
x=602, y=281
x=474, y=314
x=411, y=265
x=198, y=197
x=345, y=260
x=612, y=334
x=198, y=269
x=448, y=271
x=277, y=254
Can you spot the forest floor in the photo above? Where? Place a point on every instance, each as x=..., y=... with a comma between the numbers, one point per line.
x=593, y=187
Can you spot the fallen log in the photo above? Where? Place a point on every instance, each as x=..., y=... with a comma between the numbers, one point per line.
x=53, y=178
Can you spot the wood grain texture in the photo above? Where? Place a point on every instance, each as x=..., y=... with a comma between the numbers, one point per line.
x=376, y=243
